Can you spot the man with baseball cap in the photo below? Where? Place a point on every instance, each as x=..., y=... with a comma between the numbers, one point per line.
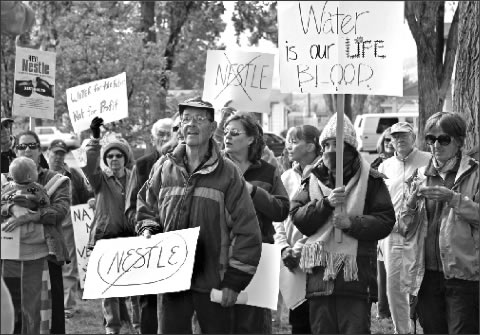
x=80, y=194
x=195, y=186
x=398, y=169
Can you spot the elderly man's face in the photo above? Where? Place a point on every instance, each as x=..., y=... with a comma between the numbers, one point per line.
x=161, y=137
x=196, y=127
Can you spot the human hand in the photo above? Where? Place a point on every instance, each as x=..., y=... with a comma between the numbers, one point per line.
x=337, y=197
x=289, y=259
x=414, y=196
x=95, y=126
x=146, y=233
x=436, y=193
x=341, y=220
x=18, y=211
x=15, y=222
x=91, y=203
x=229, y=297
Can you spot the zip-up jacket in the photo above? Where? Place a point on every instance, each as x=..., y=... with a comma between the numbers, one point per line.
x=214, y=198
x=459, y=235
x=376, y=223
x=269, y=196
x=109, y=220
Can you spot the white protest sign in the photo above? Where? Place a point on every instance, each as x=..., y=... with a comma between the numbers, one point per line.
x=129, y=266
x=341, y=47
x=244, y=77
x=263, y=289
x=293, y=286
x=82, y=217
x=105, y=98
x=34, y=93
x=10, y=244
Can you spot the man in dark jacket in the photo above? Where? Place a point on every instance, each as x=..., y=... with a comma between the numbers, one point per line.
x=7, y=143
x=80, y=194
x=194, y=186
x=161, y=133
x=341, y=276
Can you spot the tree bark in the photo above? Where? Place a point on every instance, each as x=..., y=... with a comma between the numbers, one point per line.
x=466, y=96
x=435, y=63
x=148, y=21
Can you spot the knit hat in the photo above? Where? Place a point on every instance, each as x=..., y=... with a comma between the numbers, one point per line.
x=330, y=131
x=115, y=144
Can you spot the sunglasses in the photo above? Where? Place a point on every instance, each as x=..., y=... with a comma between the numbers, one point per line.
x=117, y=156
x=24, y=146
x=233, y=132
x=442, y=139
x=387, y=140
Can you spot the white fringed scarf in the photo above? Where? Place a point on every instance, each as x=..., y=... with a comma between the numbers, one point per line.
x=321, y=249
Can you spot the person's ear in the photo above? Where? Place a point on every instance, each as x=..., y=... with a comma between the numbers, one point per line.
x=311, y=147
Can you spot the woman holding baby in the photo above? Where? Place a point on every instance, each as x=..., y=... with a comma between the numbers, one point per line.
x=41, y=245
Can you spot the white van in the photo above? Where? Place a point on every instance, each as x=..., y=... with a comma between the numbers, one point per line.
x=369, y=127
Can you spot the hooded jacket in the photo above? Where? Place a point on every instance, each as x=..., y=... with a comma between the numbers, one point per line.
x=109, y=220
x=214, y=198
x=459, y=235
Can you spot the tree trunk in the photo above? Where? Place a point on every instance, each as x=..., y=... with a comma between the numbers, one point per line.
x=148, y=21
x=434, y=61
x=466, y=96
x=329, y=101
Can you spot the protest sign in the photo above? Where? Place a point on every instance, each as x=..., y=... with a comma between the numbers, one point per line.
x=10, y=244
x=82, y=217
x=105, y=98
x=340, y=47
x=243, y=77
x=293, y=285
x=130, y=266
x=263, y=289
x=34, y=93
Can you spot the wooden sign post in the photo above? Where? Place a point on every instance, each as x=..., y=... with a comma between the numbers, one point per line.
x=339, y=157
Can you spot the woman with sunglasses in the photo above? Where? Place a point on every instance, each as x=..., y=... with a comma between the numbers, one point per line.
x=385, y=148
x=440, y=223
x=109, y=220
x=244, y=145
x=24, y=276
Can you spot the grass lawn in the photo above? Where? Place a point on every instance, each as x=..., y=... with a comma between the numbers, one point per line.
x=88, y=320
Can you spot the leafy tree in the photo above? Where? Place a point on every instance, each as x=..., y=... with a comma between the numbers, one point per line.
x=435, y=60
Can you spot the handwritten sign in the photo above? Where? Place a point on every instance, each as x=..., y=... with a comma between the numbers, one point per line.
x=106, y=98
x=340, y=47
x=10, y=244
x=129, y=266
x=34, y=93
x=82, y=217
x=244, y=77
x=263, y=289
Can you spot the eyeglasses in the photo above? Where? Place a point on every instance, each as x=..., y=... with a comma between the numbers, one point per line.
x=387, y=140
x=442, y=139
x=23, y=146
x=400, y=136
x=117, y=156
x=233, y=132
x=163, y=135
x=198, y=118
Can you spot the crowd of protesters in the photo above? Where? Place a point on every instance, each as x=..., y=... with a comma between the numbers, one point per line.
x=408, y=223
